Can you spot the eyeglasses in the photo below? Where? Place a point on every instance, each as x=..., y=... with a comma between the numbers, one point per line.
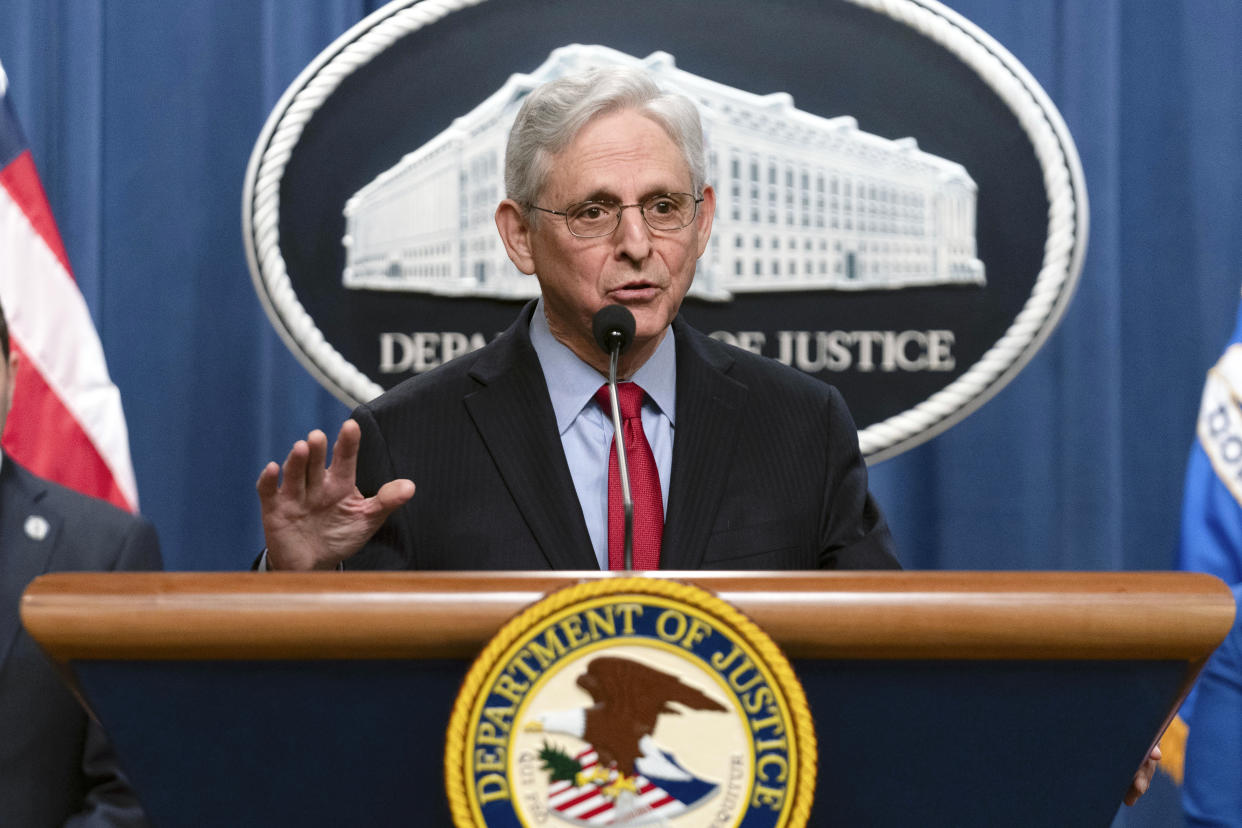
x=591, y=219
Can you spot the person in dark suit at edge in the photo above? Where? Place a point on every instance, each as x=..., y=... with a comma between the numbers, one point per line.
x=758, y=465
x=56, y=765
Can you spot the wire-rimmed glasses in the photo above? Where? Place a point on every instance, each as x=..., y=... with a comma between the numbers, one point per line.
x=591, y=219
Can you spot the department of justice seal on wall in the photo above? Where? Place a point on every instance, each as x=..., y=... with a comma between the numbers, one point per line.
x=900, y=209
x=626, y=702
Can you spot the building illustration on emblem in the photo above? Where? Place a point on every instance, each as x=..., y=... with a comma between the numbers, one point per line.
x=803, y=202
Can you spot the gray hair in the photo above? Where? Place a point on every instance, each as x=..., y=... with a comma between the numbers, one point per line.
x=554, y=113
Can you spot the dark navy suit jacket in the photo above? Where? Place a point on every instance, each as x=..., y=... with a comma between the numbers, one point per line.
x=56, y=766
x=766, y=469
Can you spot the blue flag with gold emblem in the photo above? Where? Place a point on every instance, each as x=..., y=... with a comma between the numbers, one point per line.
x=1211, y=538
x=1211, y=535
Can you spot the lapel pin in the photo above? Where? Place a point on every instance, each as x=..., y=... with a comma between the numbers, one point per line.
x=36, y=527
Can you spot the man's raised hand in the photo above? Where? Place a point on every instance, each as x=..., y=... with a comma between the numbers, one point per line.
x=314, y=518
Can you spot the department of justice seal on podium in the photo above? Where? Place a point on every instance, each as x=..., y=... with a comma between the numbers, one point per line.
x=627, y=702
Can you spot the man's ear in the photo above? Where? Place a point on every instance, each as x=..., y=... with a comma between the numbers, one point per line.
x=515, y=232
x=9, y=386
x=703, y=218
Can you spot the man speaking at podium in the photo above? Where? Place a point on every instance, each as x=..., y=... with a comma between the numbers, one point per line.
x=735, y=461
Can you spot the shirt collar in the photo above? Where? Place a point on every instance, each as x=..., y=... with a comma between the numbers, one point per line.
x=576, y=382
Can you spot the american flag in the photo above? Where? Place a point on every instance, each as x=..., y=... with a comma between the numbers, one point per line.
x=66, y=423
x=587, y=804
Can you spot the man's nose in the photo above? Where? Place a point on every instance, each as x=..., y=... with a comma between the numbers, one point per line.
x=633, y=234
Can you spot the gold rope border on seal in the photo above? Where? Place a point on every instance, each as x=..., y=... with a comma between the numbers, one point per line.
x=800, y=712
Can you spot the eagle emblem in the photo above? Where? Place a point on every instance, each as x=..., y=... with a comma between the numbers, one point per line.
x=622, y=776
x=625, y=702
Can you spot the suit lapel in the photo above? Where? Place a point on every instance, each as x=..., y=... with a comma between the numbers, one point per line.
x=514, y=417
x=24, y=555
x=709, y=406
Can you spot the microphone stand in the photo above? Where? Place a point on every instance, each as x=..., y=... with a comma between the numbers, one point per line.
x=614, y=353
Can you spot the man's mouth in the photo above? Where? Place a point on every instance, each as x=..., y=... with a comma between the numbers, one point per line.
x=635, y=291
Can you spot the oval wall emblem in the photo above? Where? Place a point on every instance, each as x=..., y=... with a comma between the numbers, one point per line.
x=631, y=701
x=900, y=209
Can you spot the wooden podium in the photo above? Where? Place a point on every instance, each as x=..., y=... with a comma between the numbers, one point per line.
x=939, y=698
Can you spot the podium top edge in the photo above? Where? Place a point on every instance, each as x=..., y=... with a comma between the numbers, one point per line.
x=920, y=615
x=1020, y=581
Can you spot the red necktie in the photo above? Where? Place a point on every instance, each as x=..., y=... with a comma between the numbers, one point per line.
x=644, y=484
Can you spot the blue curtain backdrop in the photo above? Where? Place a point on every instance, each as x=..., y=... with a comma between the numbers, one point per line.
x=142, y=115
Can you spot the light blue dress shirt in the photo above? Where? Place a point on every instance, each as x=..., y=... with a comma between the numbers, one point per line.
x=586, y=430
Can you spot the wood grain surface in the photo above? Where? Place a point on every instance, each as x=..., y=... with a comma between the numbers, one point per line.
x=908, y=615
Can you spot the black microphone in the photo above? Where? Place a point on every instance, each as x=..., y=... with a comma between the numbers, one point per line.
x=613, y=326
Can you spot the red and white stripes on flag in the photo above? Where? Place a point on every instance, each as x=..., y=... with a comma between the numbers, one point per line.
x=586, y=805
x=66, y=423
